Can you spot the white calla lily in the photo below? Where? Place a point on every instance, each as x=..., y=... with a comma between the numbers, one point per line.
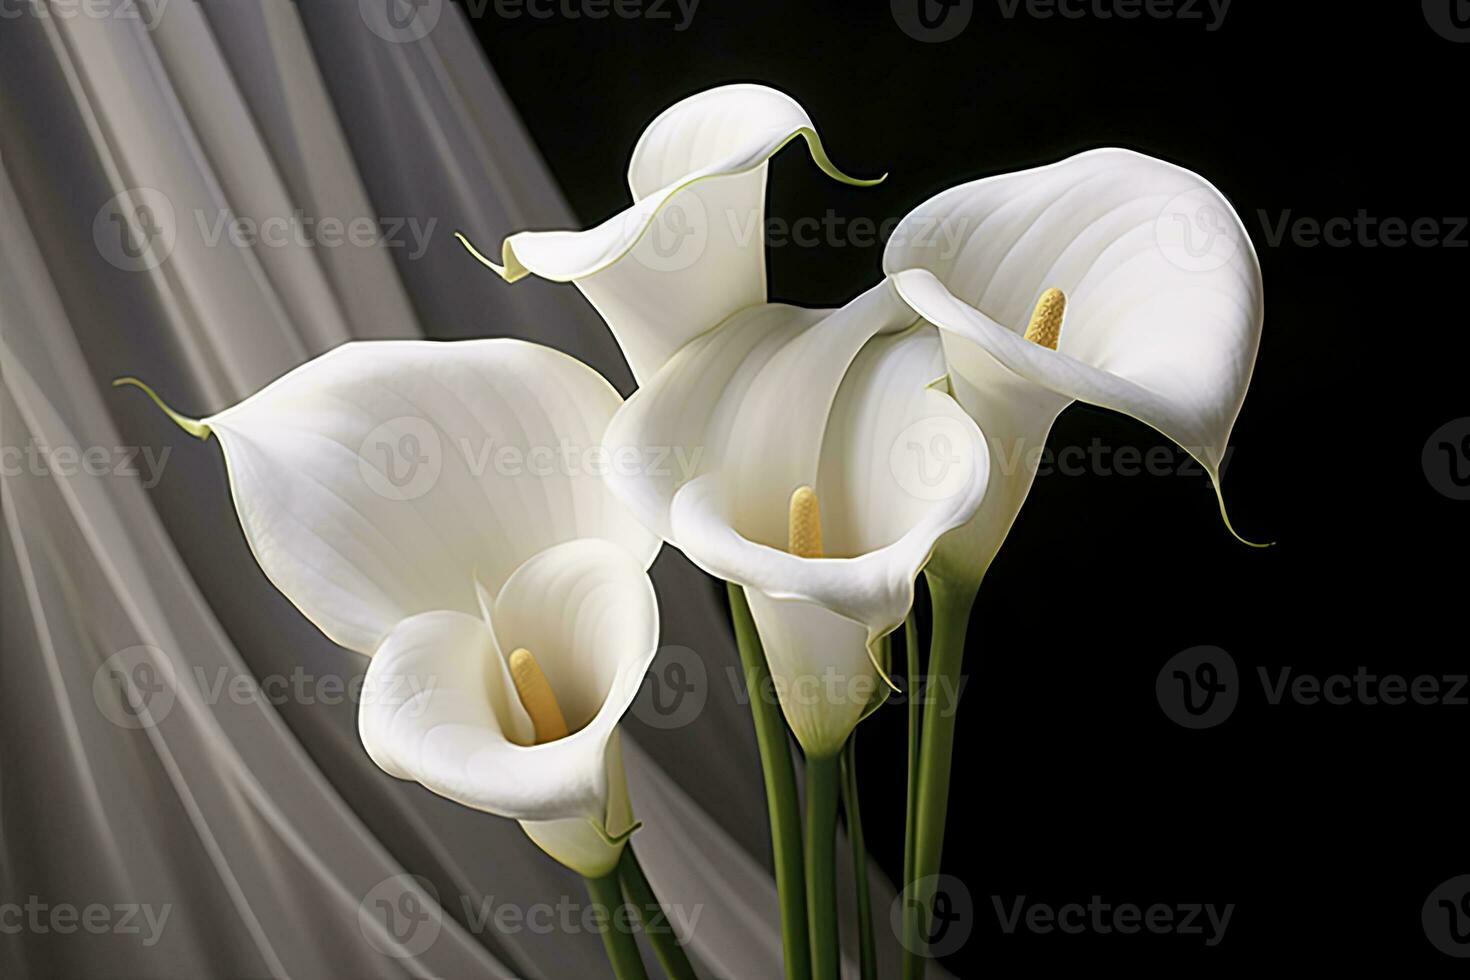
x=754, y=401
x=836, y=404
x=691, y=249
x=1163, y=312
x=440, y=508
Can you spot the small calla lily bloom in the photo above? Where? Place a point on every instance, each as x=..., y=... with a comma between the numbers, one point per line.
x=691, y=249
x=1111, y=278
x=438, y=507
x=814, y=488
x=806, y=432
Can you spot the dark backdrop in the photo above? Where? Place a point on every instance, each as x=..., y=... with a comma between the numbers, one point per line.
x=1326, y=825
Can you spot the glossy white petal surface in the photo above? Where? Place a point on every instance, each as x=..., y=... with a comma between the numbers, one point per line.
x=691, y=249
x=1164, y=302
x=1158, y=325
x=380, y=480
x=778, y=398
x=438, y=708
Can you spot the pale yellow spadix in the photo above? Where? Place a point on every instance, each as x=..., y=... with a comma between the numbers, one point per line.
x=1045, y=327
x=804, y=527
x=537, y=697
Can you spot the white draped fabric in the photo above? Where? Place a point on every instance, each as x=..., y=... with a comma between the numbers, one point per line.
x=173, y=735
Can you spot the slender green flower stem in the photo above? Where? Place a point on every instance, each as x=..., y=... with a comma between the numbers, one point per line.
x=823, y=777
x=850, y=807
x=656, y=924
x=915, y=667
x=782, y=807
x=619, y=941
x=952, y=603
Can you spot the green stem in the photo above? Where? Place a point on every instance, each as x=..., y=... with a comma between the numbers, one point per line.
x=952, y=603
x=618, y=940
x=656, y=924
x=915, y=668
x=780, y=779
x=822, y=781
x=850, y=806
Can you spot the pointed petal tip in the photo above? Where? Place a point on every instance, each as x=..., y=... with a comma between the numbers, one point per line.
x=824, y=162
x=195, y=428
x=480, y=257
x=615, y=840
x=1225, y=516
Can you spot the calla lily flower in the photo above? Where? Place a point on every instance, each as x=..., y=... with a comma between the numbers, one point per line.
x=408, y=498
x=1111, y=278
x=808, y=430
x=691, y=249
x=813, y=490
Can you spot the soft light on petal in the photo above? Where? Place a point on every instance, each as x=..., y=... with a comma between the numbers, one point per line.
x=382, y=479
x=840, y=401
x=438, y=707
x=691, y=250
x=1164, y=301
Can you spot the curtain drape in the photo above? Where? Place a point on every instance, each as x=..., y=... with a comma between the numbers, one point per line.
x=173, y=735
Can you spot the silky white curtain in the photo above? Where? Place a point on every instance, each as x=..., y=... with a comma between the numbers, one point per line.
x=257, y=821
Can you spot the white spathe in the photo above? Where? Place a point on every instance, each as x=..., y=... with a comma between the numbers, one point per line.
x=1163, y=319
x=436, y=506
x=690, y=251
x=778, y=398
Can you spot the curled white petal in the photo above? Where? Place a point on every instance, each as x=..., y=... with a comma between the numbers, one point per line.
x=380, y=480
x=841, y=401
x=691, y=249
x=438, y=708
x=1164, y=297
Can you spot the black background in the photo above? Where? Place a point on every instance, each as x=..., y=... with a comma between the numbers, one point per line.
x=1327, y=826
